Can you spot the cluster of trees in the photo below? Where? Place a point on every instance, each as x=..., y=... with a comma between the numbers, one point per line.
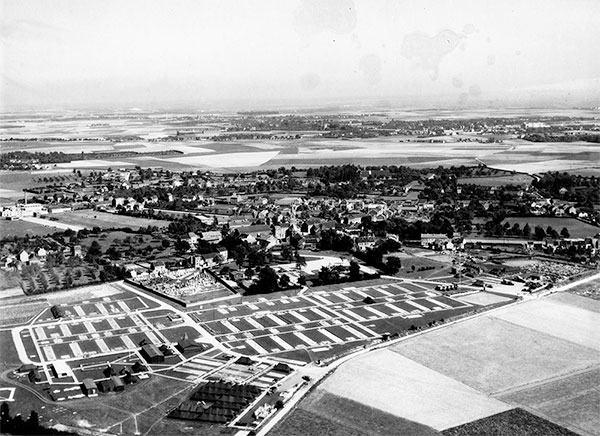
x=18, y=426
x=569, y=187
x=333, y=240
x=336, y=173
x=499, y=229
x=553, y=137
x=268, y=282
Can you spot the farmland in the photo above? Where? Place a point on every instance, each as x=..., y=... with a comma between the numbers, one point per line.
x=90, y=218
x=492, y=355
x=325, y=414
x=516, y=422
x=572, y=400
x=515, y=179
x=426, y=396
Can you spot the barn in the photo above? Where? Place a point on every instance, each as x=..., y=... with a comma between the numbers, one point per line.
x=152, y=354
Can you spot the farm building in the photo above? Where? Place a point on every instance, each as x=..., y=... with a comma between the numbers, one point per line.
x=165, y=350
x=57, y=311
x=283, y=368
x=138, y=367
x=26, y=368
x=152, y=354
x=89, y=387
x=105, y=386
x=186, y=346
x=244, y=361
x=119, y=386
x=61, y=369
x=34, y=376
x=109, y=371
x=130, y=378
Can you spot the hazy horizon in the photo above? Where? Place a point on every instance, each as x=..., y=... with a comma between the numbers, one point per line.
x=263, y=54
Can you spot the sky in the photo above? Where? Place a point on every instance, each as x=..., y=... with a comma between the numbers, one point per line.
x=256, y=53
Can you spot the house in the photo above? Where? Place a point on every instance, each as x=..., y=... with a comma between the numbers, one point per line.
x=152, y=354
x=193, y=238
x=279, y=232
x=24, y=256
x=89, y=387
x=430, y=239
x=212, y=236
x=76, y=251
x=223, y=254
x=255, y=230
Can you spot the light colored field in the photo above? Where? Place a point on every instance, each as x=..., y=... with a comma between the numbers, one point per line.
x=227, y=160
x=543, y=166
x=397, y=385
x=568, y=322
x=94, y=163
x=493, y=355
x=9, y=193
x=73, y=296
x=483, y=298
x=577, y=301
x=571, y=400
x=91, y=218
x=52, y=224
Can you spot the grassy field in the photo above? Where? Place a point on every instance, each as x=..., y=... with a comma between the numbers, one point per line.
x=515, y=422
x=394, y=384
x=577, y=229
x=91, y=218
x=572, y=401
x=325, y=414
x=21, y=228
x=493, y=355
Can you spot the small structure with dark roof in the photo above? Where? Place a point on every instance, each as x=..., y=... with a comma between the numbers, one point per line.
x=119, y=386
x=109, y=371
x=57, y=311
x=89, y=387
x=26, y=368
x=165, y=350
x=34, y=376
x=283, y=368
x=244, y=360
x=105, y=386
x=138, y=367
x=369, y=300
